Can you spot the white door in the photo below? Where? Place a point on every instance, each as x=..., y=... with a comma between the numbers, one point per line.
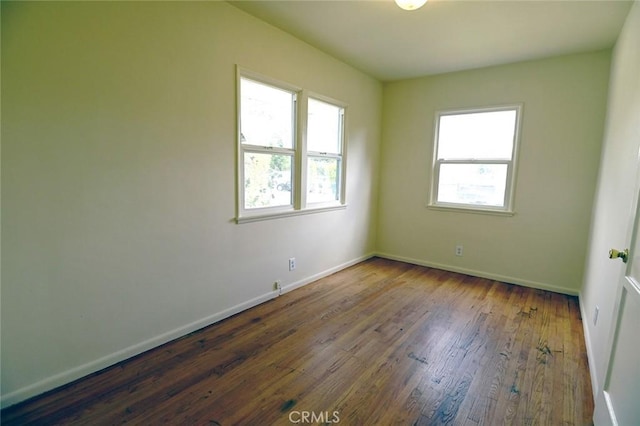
x=618, y=403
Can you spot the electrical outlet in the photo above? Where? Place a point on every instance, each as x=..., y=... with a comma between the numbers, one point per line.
x=595, y=315
x=277, y=285
x=458, y=250
x=292, y=263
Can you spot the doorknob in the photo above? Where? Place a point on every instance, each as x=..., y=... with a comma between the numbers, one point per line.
x=624, y=255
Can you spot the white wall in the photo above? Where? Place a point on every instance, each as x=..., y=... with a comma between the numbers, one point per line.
x=543, y=244
x=614, y=196
x=118, y=180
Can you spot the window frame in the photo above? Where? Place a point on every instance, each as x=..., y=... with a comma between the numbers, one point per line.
x=299, y=204
x=512, y=165
x=340, y=156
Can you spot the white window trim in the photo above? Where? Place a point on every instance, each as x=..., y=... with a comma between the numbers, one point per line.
x=341, y=156
x=512, y=165
x=299, y=204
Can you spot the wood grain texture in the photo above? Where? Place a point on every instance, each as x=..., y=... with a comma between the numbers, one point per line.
x=379, y=343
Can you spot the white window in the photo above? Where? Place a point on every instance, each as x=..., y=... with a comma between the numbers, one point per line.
x=290, y=149
x=267, y=117
x=475, y=158
x=325, y=130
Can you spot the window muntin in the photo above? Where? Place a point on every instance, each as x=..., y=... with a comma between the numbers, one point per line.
x=474, y=159
x=290, y=150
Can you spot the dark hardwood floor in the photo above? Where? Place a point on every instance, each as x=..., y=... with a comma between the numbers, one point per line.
x=379, y=343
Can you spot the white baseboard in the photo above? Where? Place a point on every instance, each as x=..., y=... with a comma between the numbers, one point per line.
x=316, y=277
x=590, y=355
x=482, y=274
x=111, y=359
x=116, y=357
x=91, y=367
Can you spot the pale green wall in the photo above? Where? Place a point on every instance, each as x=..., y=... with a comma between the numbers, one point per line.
x=118, y=180
x=118, y=177
x=615, y=194
x=543, y=244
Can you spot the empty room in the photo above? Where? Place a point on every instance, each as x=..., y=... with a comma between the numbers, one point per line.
x=316, y=212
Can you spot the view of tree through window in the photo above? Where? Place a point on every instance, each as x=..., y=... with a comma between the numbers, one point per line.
x=272, y=156
x=324, y=145
x=267, y=180
x=322, y=180
x=267, y=132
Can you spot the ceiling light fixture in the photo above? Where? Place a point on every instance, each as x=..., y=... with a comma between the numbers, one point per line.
x=410, y=4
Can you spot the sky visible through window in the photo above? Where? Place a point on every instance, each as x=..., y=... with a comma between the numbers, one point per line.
x=484, y=135
x=468, y=146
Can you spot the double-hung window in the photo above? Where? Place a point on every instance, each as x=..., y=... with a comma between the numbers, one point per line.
x=267, y=141
x=290, y=148
x=325, y=130
x=474, y=165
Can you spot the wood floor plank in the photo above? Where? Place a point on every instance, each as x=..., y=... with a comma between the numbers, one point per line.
x=379, y=343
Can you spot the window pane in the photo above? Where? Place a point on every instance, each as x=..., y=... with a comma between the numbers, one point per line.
x=324, y=127
x=477, y=184
x=322, y=179
x=267, y=115
x=482, y=135
x=267, y=180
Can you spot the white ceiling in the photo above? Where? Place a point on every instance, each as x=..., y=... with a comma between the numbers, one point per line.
x=389, y=43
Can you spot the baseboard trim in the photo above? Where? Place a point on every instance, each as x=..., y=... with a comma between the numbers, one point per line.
x=316, y=277
x=590, y=354
x=76, y=373
x=73, y=374
x=481, y=274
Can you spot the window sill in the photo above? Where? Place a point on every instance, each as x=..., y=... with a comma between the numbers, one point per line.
x=476, y=210
x=288, y=213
